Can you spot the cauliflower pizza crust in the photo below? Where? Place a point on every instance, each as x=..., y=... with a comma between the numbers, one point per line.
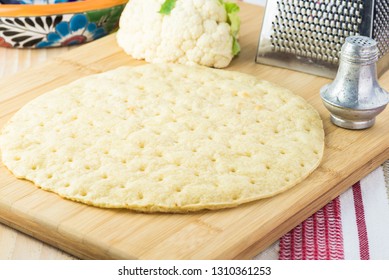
x=163, y=137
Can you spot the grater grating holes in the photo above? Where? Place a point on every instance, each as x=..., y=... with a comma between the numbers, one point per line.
x=315, y=29
x=308, y=35
x=381, y=27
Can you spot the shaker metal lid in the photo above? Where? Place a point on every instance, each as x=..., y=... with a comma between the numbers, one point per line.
x=359, y=49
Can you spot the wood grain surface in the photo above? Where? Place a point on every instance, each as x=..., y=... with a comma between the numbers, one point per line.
x=238, y=233
x=15, y=244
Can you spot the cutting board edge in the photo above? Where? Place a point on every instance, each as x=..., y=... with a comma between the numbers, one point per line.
x=75, y=248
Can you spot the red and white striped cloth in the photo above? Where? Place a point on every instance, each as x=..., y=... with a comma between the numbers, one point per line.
x=354, y=226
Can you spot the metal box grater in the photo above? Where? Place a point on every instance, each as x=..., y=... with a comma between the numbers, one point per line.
x=307, y=35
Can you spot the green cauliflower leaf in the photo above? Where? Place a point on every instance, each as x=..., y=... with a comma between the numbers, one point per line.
x=167, y=7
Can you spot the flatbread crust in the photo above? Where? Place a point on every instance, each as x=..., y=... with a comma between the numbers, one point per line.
x=165, y=137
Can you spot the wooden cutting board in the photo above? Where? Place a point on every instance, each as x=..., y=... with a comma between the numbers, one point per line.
x=237, y=233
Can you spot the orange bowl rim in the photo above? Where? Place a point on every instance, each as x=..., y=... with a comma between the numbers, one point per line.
x=9, y=10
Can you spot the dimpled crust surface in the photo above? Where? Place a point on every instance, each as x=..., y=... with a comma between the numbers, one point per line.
x=165, y=137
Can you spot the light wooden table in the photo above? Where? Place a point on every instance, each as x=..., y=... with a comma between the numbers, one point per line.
x=14, y=244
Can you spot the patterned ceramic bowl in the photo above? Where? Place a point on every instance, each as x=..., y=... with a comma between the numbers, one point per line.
x=56, y=25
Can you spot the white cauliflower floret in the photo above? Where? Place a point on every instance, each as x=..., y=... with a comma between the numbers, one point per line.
x=194, y=32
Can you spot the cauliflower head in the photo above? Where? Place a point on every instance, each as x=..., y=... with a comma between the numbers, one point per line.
x=202, y=32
